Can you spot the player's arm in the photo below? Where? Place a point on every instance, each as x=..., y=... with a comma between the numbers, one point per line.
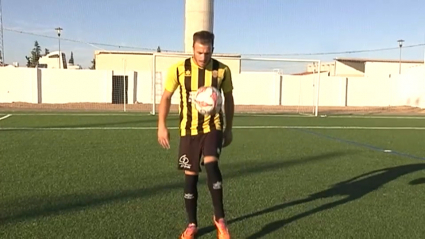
x=229, y=105
x=171, y=84
x=164, y=108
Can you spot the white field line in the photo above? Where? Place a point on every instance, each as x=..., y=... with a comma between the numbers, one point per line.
x=235, y=127
x=82, y=114
x=242, y=114
x=340, y=116
x=376, y=117
x=5, y=117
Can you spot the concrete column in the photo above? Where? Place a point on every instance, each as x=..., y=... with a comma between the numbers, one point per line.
x=199, y=15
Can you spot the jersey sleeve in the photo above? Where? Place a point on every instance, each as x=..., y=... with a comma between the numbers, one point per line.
x=172, y=81
x=227, y=84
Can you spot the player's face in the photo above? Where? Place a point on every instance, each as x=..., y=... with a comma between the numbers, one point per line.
x=202, y=53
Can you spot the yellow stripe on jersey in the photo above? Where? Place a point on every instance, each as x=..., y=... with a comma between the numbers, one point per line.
x=194, y=87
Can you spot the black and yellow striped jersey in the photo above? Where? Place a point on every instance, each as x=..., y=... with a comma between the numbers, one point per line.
x=187, y=76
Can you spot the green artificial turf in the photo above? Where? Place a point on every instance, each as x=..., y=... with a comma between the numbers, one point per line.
x=105, y=176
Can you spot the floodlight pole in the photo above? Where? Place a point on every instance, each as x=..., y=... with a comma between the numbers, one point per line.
x=59, y=30
x=316, y=111
x=400, y=44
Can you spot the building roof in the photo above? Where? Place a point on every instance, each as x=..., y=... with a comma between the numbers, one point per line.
x=99, y=52
x=364, y=60
x=307, y=73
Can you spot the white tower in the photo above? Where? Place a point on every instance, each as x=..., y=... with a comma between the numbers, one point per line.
x=199, y=15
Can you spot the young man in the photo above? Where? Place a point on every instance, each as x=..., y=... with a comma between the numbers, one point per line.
x=200, y=135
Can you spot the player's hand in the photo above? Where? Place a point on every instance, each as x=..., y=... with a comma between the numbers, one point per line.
x=164, y=137
x=228, y=137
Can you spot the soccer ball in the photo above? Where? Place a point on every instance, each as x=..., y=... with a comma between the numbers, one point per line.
x=208, y=100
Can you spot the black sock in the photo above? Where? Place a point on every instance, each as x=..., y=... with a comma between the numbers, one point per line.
x=216, y=188
x=191, y=197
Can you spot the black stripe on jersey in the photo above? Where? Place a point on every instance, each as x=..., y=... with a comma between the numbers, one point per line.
x=188, y=86
x=181, y=96
x=214, y=83
x=201, y=82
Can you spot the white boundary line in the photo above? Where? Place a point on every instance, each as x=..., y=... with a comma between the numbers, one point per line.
x=337, y=116
x=376, y=117
x=236, y=115
x=82, y=114
x=5, y=117
x=235, y=127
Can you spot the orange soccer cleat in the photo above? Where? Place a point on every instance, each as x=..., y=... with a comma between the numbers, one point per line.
x=222, y=230
x=189, y=232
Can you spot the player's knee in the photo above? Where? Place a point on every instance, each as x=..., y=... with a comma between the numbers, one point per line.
x=213, y=173
x=187, y=172
x=210, y=159
x=191, y=180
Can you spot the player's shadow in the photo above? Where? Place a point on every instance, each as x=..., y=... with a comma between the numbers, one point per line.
x=47, y=206
x=352, y=189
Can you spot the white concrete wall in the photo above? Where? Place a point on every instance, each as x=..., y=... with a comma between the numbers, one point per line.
x=251, y=88
x=18, y=85
x=68, y=86
x=333, y=91
x=384, y=69
x=298, y=90
x=144, y=87
x=368, y=91
x=410, y=88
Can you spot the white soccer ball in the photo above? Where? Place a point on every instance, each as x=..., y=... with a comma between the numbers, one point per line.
x=208, y=100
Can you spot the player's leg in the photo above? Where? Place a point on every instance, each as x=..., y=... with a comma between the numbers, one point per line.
x=189, y=154
x=212, y=145
x=211, y=151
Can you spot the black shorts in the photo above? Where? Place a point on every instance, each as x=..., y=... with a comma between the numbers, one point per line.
x=192, y=148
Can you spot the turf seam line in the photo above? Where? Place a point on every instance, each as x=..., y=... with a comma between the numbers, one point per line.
x=369, y=146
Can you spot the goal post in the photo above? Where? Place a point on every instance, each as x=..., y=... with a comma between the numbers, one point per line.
x=262, y=85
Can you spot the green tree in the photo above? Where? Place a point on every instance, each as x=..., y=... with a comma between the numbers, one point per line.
x=93, y=64
x=71, y=59
x=35, y=55
x=46, y=51
x=28, y=61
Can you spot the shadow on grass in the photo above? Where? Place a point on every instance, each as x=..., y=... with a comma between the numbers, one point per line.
x=353, y=189
x=38, y=207
x=417, y=181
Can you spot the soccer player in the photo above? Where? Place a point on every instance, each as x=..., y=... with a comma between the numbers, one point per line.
x=200, y=135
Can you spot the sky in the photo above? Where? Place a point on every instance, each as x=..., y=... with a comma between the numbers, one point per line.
x=286, y=28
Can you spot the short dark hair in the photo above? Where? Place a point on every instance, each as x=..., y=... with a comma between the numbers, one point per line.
x=204, y=37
